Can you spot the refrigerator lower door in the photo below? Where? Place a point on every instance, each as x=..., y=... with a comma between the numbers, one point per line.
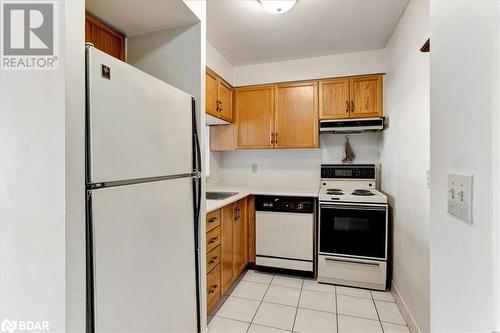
x=144, y=257
x=137, y=126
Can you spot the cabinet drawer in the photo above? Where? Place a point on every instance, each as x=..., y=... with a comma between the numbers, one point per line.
x=213, y=258
x=213, y=219
x=213, y=239
x=213, y=287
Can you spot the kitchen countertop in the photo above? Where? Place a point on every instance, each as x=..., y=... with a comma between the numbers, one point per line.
x=244, y=191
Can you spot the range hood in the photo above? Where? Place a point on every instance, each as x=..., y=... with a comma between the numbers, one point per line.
x=351, y=125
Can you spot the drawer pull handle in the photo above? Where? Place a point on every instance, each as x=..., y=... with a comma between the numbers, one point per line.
x=212, y=289
x=354, y=262
x=212, y=260
x=213, y=219
x=213, y=240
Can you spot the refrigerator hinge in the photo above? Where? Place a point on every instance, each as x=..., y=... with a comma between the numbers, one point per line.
x=197, y=174
x=89, y=194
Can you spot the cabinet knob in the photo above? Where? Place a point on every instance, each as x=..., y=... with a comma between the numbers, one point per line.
x=212, y=260
x=212, y=220
x=352, y=106
x=212, y=289
x=346, y=106
x=212, y=240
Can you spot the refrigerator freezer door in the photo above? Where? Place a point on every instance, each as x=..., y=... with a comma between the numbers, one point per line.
x=144, y=257
x=138, y=126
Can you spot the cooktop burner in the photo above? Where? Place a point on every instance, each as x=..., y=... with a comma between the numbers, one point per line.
x=365, y=193
x=334, y=191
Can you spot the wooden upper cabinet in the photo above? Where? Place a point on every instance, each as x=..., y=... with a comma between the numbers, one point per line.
x=255, y=116
x=218, y=96
x=104, y=37
x=366, y=96
x=240, y=236
x=211, y=93
x=334, y=99
x=351, y=97
x=225, y=94
x=296, y=116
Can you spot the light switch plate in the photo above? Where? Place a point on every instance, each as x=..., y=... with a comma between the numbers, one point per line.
x=460, y=196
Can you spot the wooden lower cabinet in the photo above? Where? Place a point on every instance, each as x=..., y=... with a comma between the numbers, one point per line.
x=213, y=287
x=213, y=239
x=227, y=248
x=240, y=257
x=251, y=228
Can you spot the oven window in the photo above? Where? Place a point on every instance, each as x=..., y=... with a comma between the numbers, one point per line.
x=353, y=230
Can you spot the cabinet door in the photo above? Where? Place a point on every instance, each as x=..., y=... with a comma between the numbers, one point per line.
x=251, y=228
x=296, y=116
x=225, y=100
x=255, y=116
x=211, y=93
x=213, y=287
x=227, y=247
x=366, y=96
x=240, y=236
x=104, y=37
x=334, y=99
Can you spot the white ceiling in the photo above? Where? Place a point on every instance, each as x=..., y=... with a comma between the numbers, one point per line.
x=133, y=17
x=246, y=34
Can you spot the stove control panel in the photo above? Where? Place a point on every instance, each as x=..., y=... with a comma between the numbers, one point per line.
x=351, y=171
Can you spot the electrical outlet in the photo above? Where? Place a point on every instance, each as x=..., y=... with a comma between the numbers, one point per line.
x=428, y=175
x=254, y=168
x=460, y=196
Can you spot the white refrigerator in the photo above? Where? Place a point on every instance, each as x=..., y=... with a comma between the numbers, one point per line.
x=143, y=201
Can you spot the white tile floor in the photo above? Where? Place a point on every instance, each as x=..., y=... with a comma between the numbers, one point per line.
x=263, y=302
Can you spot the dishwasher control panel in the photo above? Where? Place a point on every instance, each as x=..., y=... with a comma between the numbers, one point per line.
x=284, y=204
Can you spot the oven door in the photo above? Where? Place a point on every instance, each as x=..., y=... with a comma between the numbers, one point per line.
x=353, y=230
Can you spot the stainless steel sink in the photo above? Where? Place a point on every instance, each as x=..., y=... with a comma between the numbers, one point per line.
x=219, y=195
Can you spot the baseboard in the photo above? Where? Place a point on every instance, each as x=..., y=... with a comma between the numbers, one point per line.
x=400, y=302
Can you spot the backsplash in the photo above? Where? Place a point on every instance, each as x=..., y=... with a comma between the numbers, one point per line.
x=291, y=166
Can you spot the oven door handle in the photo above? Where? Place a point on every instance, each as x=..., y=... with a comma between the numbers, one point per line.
x=380, y=208
x=353, y=262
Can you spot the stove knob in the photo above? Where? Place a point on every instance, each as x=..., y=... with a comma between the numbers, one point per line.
x=300, y=206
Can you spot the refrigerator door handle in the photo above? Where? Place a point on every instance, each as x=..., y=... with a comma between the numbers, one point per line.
x=197, y=206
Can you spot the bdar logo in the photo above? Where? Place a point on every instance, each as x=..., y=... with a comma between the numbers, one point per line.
x=8, y=326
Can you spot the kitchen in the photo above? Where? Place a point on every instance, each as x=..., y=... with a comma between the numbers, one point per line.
x=312, y=175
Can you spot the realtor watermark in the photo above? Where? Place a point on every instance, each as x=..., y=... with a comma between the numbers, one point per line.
x=12, y=326
x=29, y=35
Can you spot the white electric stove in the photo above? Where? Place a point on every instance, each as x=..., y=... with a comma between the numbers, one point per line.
x=353, y=227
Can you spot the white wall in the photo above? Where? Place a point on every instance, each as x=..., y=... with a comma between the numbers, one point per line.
x=293, y=166
x=32, y=189
x=219, y=64
x=464, y=66
x=404, y=156
x=366, y=62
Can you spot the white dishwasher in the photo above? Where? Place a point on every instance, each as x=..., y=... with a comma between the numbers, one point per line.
x=284, y=233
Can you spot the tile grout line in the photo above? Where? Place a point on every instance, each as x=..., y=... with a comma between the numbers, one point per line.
x=376, y=310
x=336, y=310
x=297, y=308
x=262, y=300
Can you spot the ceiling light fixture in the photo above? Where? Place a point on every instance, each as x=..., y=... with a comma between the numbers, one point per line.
x=277, y=6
